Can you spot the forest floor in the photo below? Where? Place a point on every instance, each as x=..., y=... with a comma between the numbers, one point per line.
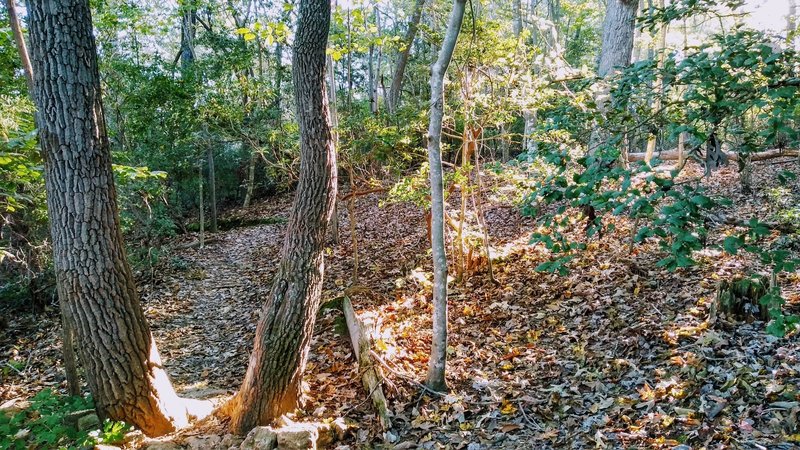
x=619, y=353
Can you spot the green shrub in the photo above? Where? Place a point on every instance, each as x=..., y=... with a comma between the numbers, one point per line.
x=45, y=425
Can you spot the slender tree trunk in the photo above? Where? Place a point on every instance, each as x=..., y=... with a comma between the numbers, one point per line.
x=334, y=110
x=436, y=367
x=657, y=86
x=212, y=188
x=272, y=384
x=201, y=206
x=68, y=348
x=395, y=90
x=517, y=18
x=371, y=79
x=349, y=62
x=377, y=73
x=123, y=368
x=791, y=24
x=19, y=39
x=188, y=30
x=251, y=178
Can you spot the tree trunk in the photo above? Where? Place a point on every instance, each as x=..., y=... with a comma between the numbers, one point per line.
x=349, y=62
x=251, y=178
x=517, y=18
x=272, y=384
x=658, y=85
x=212, y=188
x=201, y=206
x=438, y=360
x=122, y=365
x=377, y=74
x=16, y=30
x=791, y=24
x=617, y=43
x=334, y=112
x=395, y=91
x=188, y=30
x=68, y=348
x=371, y=80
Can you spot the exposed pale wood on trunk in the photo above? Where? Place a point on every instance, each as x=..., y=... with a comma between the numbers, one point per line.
x=371, y=377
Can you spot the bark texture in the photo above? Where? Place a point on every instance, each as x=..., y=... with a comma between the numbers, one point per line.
x=396, y=88
x=617, y=43
x=272, y=384
x=438, y=360
x=122, y=366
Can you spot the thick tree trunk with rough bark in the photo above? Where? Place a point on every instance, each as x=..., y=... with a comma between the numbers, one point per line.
x=123, y=367
x=402, y=59
x=438, y=360
x=618, y=28
x=272, y=384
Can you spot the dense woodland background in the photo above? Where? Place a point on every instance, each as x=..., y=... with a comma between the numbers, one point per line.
x=555, y=224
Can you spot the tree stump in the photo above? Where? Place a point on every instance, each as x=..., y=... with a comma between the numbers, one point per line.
x=738, y=298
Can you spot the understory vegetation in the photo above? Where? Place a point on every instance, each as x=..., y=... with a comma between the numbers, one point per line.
x=591, y=238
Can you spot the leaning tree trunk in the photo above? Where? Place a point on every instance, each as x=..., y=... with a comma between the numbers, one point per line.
x=396, y=88
x=123, y=368
x=16, y=30
x=272, y=384
x=438, y=361
x=67, y=328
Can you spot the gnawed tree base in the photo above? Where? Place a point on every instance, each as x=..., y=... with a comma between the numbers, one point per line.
x=673, y=155
x=738, y=298
x=371, y=376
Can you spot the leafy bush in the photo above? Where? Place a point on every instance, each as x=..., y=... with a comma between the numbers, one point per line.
x=45, y=425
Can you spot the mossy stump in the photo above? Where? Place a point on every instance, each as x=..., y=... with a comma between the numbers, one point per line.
x=738, y=298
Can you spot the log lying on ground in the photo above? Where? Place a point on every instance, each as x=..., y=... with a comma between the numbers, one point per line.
x=672, y=155
x=370, y=373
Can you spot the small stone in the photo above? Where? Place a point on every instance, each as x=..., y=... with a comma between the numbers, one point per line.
x=230, y=440
x=88, y=422
x=204, y=442
x=474, y=446
x=72, y=418
x=161, y=445
x=106, y=447
x=298, y=436
x=260, y=438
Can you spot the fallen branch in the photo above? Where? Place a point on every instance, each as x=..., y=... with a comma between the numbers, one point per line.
x=672, y=155
x=370, y=374
x=784, y=228
x=362, y=193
